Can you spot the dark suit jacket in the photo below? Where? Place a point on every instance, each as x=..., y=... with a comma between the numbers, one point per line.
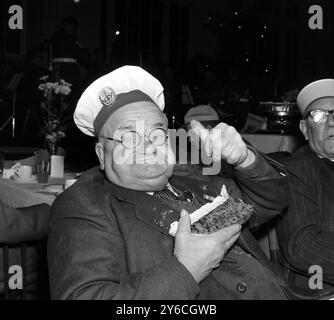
x=23, y=225
x=106, y=241
x=306, y=234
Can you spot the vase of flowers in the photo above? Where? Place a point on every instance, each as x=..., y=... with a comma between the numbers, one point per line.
x=53, y=107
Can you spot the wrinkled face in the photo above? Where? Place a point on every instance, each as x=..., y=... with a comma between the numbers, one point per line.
x=320, y=135
x=146, y=167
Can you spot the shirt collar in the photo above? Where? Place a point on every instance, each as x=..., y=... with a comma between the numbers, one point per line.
x=168, y=186
x=321, y=157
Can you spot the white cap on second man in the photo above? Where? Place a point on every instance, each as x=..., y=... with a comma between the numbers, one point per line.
x=107, y=94
x=314, y=91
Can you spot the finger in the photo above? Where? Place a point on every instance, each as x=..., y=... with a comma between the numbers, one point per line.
x=230, y=243
x=208, y=146
x=237, y=155
x=232, y=147
x=223, y=132
x=210, y=142
x=227, y=233
x=221, y=137
x=199, y=130
x=226, y=246
x=230, y=153
x=219, y=149
x=184, y=222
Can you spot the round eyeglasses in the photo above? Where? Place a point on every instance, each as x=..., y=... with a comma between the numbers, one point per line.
x=131, y=139
x=319, y=116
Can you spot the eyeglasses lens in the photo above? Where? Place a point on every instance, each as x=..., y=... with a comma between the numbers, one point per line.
x=158, y=137
x=319, y=116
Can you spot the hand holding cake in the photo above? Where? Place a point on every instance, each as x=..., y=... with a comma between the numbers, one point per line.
x=222, y=212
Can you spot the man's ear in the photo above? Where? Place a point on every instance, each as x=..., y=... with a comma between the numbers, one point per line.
x=99, y=149
x=166, y=118
x=303, y=129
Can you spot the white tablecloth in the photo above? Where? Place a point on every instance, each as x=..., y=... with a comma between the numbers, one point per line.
x=268, y=143
x=23, y=195
x=19, y=195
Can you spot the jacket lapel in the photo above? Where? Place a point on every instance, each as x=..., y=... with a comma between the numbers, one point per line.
x=147, y=208
x=159, y=215
x=155, y=212
x=250, y=245
x=204, y=190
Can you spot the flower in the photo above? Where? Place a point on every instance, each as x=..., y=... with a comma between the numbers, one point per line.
x=54, y=107
x=44, y=78
x=65, y=90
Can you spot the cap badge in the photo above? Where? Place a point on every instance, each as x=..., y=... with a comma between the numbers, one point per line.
x=107, y=96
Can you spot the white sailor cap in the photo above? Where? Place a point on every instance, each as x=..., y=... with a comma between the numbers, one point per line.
x=318, y=89
x=112, y=91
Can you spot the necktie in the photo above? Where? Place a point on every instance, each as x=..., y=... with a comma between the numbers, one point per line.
x=165, y=193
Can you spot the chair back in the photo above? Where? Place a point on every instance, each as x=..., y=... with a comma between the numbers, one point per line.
x=296, y=280
x=24, y=271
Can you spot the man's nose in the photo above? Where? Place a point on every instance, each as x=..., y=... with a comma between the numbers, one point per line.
x=148, y=146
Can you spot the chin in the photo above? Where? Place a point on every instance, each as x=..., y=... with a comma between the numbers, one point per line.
x=152, y=171
x=330, y=154
x=329, y=148
x=154, y=180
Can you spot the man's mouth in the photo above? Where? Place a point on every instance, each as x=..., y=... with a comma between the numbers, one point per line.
x=151, y=160
x=155, y=160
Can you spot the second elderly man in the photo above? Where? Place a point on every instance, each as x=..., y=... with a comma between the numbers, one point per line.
x=306, y=234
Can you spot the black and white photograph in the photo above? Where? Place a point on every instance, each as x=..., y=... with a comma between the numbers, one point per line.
x=176, y=153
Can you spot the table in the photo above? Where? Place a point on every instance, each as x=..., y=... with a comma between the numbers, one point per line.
x=23, y=195
x=19, y=195
x=268, y=143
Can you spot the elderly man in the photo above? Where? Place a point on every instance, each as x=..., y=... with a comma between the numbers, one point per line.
x=107, y=238
x=306, y=233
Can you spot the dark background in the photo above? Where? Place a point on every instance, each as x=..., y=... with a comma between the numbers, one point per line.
x=175, y=31
x=265, y=47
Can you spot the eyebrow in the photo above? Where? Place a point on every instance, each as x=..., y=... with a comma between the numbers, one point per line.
x=159, y=124
x=128, y=127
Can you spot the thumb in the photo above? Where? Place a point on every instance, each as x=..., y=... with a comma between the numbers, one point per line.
x=227, y=233
x=184, y=222
x=199, y=130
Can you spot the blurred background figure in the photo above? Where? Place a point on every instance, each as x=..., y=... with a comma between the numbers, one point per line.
x=67, y=52
x=28, y=116
x=7, y=70
x=70, y=62
x=290, y=95
x=172, y=84
x=204, y=114
x=97, y=66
